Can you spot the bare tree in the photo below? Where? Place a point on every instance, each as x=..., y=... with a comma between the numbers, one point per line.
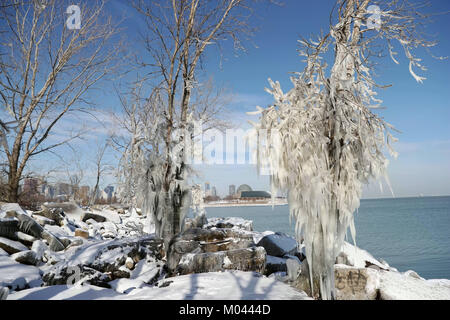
x=46, y=71
x=100, y=169
x=327, y=139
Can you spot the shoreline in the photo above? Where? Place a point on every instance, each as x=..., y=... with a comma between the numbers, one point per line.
x=225, y=205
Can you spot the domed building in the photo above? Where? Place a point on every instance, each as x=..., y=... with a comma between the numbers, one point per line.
x=242, y=187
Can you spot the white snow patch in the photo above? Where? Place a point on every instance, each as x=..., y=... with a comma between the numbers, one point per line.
x=402, y=286
x=18, y=276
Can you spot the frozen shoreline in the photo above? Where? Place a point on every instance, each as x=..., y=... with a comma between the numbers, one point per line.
x=216, y=205
x=40, y=273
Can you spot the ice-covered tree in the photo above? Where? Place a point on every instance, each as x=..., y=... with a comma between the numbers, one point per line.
x=326, y=140
x=176, y=38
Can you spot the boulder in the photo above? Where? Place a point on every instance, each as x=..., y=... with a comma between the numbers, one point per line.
x=18, y=276
x=90, y=215
x=9, y=228
x=29, y=226
x=229, y=222
x=356, y=283
x=55, y=214
x=99, y=262
x=11, y=246
x=28, y=257
x=249, y=259
x=274, y=265
x=43, y=220
x=81, y=233
x=197, y=240
x=278, y=244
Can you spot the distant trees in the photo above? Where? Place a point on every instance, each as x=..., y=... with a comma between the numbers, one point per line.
x=46, y=71
x=326, y=140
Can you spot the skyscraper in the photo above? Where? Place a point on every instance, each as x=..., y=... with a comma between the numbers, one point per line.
x=231, y=190
x=207, y=189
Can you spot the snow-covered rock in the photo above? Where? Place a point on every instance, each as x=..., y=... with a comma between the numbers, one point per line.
x=279, y=244
x=249, y=259
x=26, y=257
x=229, y=222
x=18, y=276
x=101, y=261
x=405, y=286
x=11, y=246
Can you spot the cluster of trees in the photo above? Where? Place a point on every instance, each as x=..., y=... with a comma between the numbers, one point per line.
x=48, y=71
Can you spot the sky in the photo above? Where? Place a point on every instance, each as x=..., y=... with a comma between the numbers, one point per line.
x=420, y=111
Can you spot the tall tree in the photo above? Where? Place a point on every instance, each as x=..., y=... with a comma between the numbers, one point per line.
x=46, y=71
x=326, y=141
x=178, y=35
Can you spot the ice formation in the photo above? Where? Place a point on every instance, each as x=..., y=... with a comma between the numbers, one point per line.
x=322, y=142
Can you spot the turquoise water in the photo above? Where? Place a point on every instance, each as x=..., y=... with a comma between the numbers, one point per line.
x=409, y=233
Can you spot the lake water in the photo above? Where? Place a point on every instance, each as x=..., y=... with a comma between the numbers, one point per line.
x=409, y=233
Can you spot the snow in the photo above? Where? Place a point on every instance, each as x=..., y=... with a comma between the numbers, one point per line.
x=18, y=276
x=403, y=286
x=5, y=207
x=358, y=257
x=13, y=244
x=229, y=285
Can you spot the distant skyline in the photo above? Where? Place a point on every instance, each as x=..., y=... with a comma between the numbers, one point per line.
x=420, y=111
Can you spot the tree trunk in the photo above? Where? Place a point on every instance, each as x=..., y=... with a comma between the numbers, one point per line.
x=13, y=186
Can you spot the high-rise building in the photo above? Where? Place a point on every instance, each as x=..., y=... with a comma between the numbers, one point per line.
x=231, y=190
x=109, y=190
x=214, y=192
x=207, y=189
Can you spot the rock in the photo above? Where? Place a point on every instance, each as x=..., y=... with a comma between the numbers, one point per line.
x=89, y=215
x=403, y=286
x=102, y=261
x=81, y=233
x=278, y=244
x=4, y=293
x=197, y=222
x=249, y=259
x=274, y=265
x=197, y=240
x=39, y=248
x=229, y=222
x=18, y=276
x=26, y=257
x=43, y=220
x=55, y=214
x=26, y=239
x=129, y=263
x=11, y=246
x=356, y=283
x=29, y=226
x=9, y=229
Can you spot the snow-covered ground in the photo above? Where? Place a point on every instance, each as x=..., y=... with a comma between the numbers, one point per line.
x=228, y=285
x=124, y=263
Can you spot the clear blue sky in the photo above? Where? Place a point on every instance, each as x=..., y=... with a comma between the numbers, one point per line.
x=420, y=111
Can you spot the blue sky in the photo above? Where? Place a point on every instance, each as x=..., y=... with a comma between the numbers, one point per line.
x=420, y=111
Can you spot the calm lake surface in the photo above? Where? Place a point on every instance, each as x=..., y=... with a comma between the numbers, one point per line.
x=409, y=233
